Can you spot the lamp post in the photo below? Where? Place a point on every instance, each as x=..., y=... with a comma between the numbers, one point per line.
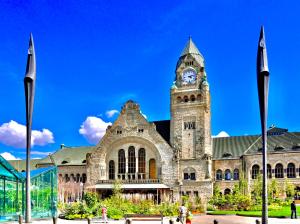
x=29, y=85
x=263, y=92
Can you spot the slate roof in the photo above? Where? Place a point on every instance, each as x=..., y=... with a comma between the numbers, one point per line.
x=234, y=147
x=163, y=128
x=72, y=155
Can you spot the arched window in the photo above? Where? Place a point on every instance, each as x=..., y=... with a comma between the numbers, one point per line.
x=255, y=171
x=236, y=175
x=279, y=170
x=72, y=177
x=179, y=100
x=84, y=161
x=227, y=174
x=67, y=178
x=131, y=159
x=227, y=191
x=291, y=171
x=64, y=162
x=193, y=98
x=269, y=171
x=219, y=175
x=111, y=170
x=142, y=160
x=199, y=97
x=186, y=99
x=83, y=178
x=121, y=161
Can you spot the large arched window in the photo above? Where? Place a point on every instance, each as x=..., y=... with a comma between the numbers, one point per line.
x=142, y=160
x=269, y=171
x=291, y=171
x=236, y=175
x=219, y=175
x=255, y=171
x=227, y=174
x=279, y=170
x=121, y=161
x=111, y=170
x=131, y=159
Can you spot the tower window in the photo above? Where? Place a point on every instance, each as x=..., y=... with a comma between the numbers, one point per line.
x=189, y=125
x=193, y=98
x=140, y=130
x=179, y=100
x=186, y=99
x=119, y=132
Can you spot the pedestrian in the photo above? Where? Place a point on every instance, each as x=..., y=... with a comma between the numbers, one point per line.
x=293, y=210
x=182, y=214
x=104, y=214
x=189, y=217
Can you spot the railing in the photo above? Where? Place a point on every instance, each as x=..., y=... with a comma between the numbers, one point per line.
x=141, y=181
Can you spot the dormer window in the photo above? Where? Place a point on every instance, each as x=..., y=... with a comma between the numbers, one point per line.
x=64, y=162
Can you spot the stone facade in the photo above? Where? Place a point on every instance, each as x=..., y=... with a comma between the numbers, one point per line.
x=166, y=159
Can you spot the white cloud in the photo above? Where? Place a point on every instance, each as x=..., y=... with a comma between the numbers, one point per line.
x=111, y=113
x=8, y=156
x=93, y=129
x=222, y=134
x=14, y=134
x=39, y=153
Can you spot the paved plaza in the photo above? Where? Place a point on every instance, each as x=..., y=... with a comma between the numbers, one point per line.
x=207, y=219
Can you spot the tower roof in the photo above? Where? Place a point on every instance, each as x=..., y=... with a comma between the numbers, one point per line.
x=190, y=48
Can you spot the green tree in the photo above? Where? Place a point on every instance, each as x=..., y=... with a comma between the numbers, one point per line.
x=289, y=188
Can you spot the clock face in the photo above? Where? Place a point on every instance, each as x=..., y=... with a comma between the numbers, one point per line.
x=189, y=76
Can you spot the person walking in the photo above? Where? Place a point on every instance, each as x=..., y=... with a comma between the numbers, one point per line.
x=293, y=210
x=182, y=214
x=104, y=214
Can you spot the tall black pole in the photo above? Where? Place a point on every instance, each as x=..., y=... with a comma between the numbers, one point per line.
x=29, y=84
x=263, y=92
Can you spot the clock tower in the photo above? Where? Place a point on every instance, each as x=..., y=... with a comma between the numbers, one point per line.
x=190, y=116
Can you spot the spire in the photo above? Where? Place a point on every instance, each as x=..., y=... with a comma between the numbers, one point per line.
x=190, y=48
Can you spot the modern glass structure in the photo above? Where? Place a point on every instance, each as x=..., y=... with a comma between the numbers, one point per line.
x=12, y=192
x=44, y=192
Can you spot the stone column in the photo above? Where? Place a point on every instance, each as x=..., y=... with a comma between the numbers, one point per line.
x=126, y=167
x=136, y=166
x=116, y=169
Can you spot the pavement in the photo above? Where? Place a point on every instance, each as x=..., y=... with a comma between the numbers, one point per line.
x=207, y=219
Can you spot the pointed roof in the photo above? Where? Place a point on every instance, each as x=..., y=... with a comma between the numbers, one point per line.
x=190, y=48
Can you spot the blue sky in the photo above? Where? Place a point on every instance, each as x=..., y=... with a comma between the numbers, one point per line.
x=92, y=56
